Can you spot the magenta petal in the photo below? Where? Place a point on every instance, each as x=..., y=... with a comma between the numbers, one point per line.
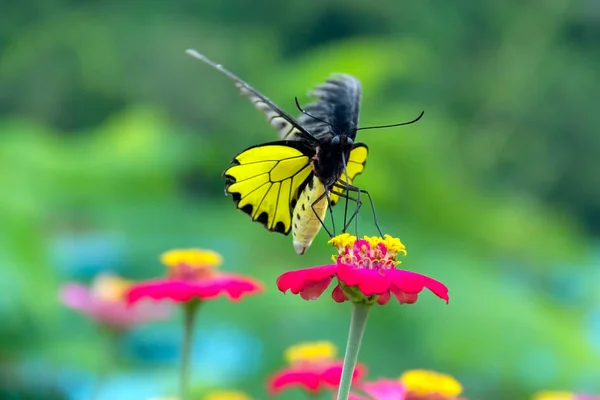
x=384, y=389
x=308, y=379
x=404, y=298
x=165, y=289
x=309, y=282
x=332, y=375
x=384, y=298
x=338, y=295
x=368, y=281
x=231, y=286
x=411, y=282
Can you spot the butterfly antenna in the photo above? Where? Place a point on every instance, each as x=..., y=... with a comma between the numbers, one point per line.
x=316, y=118
x=393, y=125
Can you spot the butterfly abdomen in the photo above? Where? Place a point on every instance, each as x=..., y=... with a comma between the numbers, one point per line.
x=306, y=222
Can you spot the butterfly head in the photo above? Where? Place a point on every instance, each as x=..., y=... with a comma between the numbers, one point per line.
x=342, y=143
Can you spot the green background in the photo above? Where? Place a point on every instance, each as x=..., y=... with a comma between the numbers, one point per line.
x=113, y=141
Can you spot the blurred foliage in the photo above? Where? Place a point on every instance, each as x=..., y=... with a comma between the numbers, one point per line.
x=113, y=141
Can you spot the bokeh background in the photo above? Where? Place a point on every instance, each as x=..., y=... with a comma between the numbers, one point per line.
x=113, y=141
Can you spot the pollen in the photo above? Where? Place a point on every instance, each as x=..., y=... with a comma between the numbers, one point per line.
x=343, y=241
x=227, y=395
x=394, y=245
x=310, y=352
x=424, y=382
x=370, y=252
x=110, y=287
x=191, y=258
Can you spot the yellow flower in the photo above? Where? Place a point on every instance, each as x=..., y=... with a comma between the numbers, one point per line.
x=192, y=258
x=366, y=251
x=424, y=382
x=110, y=287
x=227, y=395
x=343, y=240
x=551, y=395
x=310, y=352
x=394, y=245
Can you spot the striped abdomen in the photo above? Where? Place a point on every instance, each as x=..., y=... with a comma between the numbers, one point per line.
x=306, y=224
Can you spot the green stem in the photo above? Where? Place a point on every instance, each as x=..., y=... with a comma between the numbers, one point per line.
x=358, y=322
x=112, y=339
x=189, y=314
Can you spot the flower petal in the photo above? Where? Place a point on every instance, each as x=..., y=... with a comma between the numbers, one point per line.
x=403, y=297
x=309, y=282
x=384, y=298
x=382, y=389
x=411, y=282
x=332, y=375
x=338, y=295
x=110, y=312
x=232, y=286
x=368, y=281
x=289, y=377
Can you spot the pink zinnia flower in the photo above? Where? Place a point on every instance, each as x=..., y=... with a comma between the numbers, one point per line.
x=313, y=367
x=192, y=275
x=366, y=272
x=104, y=301
x=412, y=385
x=382, y=389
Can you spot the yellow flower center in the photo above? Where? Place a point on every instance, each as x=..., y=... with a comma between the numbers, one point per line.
x=424, y=382
x=310, y=352
x=343, y=240
x=370, y=252
x=227, y=395
x=110, y=287
x=551, y=395
x=191, y=264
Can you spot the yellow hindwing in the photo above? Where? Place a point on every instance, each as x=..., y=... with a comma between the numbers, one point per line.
x=265, y=182
x=356, y=165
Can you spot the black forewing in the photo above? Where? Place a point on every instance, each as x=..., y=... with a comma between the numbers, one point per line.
x=288, y=127
x=338, y=103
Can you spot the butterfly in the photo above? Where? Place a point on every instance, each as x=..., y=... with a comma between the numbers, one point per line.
x=288, y=185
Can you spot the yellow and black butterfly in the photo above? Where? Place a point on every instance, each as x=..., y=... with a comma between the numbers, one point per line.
x=289, y=184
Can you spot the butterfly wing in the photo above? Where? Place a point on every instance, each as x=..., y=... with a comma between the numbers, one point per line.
x=287, y=127
x=355, y=166
x=265, y=181
x=337, y=104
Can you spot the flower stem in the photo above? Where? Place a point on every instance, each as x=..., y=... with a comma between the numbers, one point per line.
x=189, y=314
x=112, y=338
x=358, y=322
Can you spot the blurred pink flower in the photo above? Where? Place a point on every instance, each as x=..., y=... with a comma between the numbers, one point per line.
x=383, y=389
x=104, y=301
x=312, y=367
x=412, y=385
x=192, y=276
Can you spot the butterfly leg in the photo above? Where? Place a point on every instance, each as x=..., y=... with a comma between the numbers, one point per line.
x=329, y=205
x=358, y=202
x=325, y=194
x=358, y=191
